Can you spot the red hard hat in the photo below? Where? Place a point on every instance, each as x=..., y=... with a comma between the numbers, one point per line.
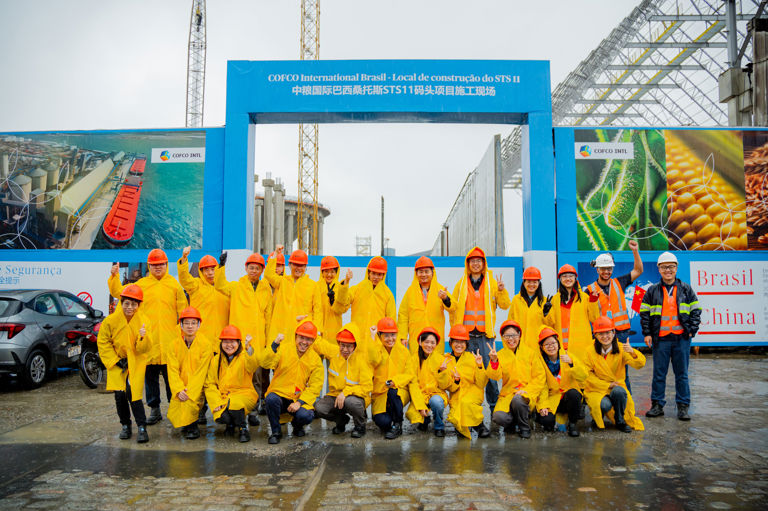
x=547, y=332
x=429, y=330
x=603, y=324
x=255, y=259
x=328, y=263
x=377, y=264
x=346, y=336
x=190, y=313
x=459, y=333
x=386, y=325
x=531, y=273
x=566, y=268
x=230, y=332
x=508, y=323
x=424, y=262
x=157, y=256
x=133, y=292
x=299, y=257
x=207, y=262
x=307, y=329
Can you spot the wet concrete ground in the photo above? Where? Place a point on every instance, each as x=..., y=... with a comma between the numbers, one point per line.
x=60, y=450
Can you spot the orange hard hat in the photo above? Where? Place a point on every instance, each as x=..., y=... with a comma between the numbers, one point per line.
x=328, y=263
x=255, y=259
x=133, y=292
x=603, y=324
x=531, y=273
x=429, y=330
x=458, y=333
x=280, y=258
x=424, y=262
x=346, y=336
x=546, y=332
x=566, y=268
x=307, y=329
x=190, y=313
x=207, y=262
x=230, y=332
x=298, y=257
x=476, y=252
x=377, y=264
x=157, y=256
x=508, y=323
x=386, y=325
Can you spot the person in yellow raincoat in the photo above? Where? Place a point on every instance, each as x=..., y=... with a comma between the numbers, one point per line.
x=522, y=378
x=350, y=381
x=466, y=390
x=164, y=299
x=477, y=295
x=229, y=383
x=188, y=361
x=371, y=299
x=333, y=296
x=394, y=382
x=430, y=366
x=297, y=381
x=424, y=304
x=560, y=397
x=212, y=304
x=605, y=389
x=294, y=295
x=572, y=312
x=123, y=344
x=526, y=307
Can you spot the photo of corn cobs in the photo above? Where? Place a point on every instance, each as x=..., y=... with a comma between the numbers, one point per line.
x=756, y=187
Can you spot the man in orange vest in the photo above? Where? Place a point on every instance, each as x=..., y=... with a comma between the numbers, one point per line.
x=670, y=315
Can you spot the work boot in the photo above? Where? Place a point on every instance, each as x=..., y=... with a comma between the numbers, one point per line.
x=192, y=432
x=253, y=419
x=275, y=438
x=358, y=432
x=202, y=420
x=572, y=429
x=482, y=431
x=142, y=437
x=656, y=410
x=525, y=433
x=395, y=431
x=245, y=436
x=440, y=433
x=682, y=413
x=340, y=427
x=623, y=426
x=154, y=416
x=126, y=432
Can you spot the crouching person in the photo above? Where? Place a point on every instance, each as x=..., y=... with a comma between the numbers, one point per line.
x=469, y=380
x=229, y=384
x=123, y=346
x=189, y=358
x=605, y=388
x=350, y=381
x=430, y=366
x=296, y=383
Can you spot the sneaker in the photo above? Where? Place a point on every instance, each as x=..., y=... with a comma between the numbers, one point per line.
x=395, y=431
x=482, y=431
x=253, y=419
x=142, y=437
x=358, y=433
x=525, y=433
x=154, y=416
x=126, y=432
x=623, y=426
x=192, y=432
x=656, y=410
x=440, y=433
x=274, y=439
x=245, y=436
x=682, y=413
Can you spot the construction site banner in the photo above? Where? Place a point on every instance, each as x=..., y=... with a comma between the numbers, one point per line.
x=102, y=190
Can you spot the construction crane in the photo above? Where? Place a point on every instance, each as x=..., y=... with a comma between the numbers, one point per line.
x=308, y=147
x=196, y=66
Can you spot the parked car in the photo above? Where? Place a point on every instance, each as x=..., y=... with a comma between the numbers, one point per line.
x=33, y=327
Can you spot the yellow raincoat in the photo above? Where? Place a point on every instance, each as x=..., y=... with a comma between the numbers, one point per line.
x=120, y=339
x=553, y=391
x=188, y=369
x=291, y=299
x=394, y=365
x=601, y=372
x=249, y=310
x=466, y=400
x=583, y=314
x=530, y=319
x=352, y=376
x=164, y=300
x=231, y=383
x=432, y=382
x=493, y=297
x=212, y=304
x=329, y=319
x=370, y=304
x=518, y=370
x=417, y=313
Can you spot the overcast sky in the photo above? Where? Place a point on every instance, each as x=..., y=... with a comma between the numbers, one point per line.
x=96, y=64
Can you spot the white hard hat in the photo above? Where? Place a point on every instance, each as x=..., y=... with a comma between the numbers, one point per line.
x=667, y=257
x=604, y=261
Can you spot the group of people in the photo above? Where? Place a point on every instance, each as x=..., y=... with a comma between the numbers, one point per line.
x=267, y=343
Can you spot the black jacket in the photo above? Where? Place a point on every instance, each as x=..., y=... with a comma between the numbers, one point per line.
x=688, y=309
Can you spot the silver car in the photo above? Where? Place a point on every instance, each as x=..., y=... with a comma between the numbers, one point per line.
x=33, y=324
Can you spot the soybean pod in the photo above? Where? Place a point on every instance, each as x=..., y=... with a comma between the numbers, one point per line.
x=623, y=204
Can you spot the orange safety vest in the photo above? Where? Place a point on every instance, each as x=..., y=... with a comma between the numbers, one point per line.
x=670, y=323
x=565, y=319
x=614, y=305
x=474, y=311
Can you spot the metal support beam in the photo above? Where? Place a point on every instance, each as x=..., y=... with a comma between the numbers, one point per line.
x=674, y=45
x=617, y=101
x=695, y=17
x=653, y=67
x=632, y=85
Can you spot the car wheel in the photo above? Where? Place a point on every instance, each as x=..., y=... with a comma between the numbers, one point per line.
x=36, y=369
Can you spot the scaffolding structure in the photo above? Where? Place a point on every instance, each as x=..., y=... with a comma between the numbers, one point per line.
x=196, y=66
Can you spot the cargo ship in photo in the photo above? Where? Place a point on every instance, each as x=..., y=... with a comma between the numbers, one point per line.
x=119, y=224
x=137, y=168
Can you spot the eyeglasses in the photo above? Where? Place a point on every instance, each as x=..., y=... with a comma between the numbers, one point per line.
x=668, y=267
x=510, y=337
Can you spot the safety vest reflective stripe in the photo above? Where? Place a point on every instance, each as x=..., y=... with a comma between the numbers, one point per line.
x=332, y=372
x=474, y=310
x=670, y=323
x=614, y=305
x=351, y=382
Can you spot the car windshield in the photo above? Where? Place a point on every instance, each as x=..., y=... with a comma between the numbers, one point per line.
x=9, y=307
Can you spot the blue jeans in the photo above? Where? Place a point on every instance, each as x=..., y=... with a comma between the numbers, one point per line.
x=437, y=405
x=678, y=350
x=621, y=337
x=481, y=342
x=393, y=414
x=277, y=405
